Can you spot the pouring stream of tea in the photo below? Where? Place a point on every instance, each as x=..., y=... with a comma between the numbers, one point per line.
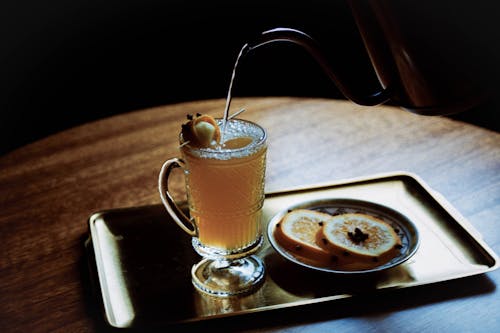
x=243, y=50
x=310, y=45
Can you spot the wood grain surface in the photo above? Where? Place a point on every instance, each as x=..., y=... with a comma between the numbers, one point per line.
x=48, y=190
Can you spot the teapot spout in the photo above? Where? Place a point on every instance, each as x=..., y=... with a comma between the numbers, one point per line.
x=308, y=43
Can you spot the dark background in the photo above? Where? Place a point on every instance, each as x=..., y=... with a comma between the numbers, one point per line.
x=63, y=63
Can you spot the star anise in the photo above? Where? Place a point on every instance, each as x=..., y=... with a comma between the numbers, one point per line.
x=357, y=236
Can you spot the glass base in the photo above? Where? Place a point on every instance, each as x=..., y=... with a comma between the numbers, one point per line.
x=216, y=253
x=228, y=277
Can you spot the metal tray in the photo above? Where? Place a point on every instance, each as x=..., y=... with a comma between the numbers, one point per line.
x=141, y=260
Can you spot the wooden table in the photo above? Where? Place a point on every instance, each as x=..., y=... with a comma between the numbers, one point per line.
x=49, y=189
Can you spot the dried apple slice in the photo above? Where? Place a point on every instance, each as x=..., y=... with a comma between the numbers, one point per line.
x=201, y=131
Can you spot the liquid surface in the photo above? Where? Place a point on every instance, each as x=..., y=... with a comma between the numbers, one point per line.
x=238, y=143
x=240, y=139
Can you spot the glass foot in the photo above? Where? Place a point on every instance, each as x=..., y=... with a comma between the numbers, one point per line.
x=228, y=277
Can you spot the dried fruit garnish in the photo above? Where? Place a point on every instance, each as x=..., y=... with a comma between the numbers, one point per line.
x=201, y=130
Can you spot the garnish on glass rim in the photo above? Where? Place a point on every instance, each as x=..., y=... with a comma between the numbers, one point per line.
x=202, y=130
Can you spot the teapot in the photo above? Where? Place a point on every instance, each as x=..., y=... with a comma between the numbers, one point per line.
x=430, y=58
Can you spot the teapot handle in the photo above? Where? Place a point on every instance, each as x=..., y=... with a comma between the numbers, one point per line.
x=300, y=38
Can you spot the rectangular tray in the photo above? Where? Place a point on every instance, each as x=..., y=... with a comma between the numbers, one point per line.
x=141, y=260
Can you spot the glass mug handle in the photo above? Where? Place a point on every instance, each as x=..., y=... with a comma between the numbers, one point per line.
x=175, y=212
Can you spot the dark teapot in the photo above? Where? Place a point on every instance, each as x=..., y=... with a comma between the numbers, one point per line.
x=430, y=57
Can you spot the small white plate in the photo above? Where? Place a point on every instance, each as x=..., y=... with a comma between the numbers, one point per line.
x=405, y=229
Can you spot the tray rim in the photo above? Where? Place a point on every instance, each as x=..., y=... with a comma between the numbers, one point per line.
x=440, y=199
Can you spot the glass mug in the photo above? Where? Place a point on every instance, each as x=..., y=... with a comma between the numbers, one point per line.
x=225, y=192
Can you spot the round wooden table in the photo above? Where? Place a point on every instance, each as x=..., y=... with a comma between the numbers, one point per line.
x=49, y=189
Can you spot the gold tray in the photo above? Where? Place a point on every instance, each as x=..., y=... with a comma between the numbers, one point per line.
x=141, y=261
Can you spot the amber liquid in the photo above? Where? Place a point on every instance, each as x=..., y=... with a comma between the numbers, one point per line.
x=226, y=191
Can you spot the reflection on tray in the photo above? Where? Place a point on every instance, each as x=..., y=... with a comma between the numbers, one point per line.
x=143, y=260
